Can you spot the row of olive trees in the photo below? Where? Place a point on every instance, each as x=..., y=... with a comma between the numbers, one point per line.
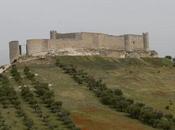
x=3, y=125
x=8, y=96
x=116, y=100
x=16, y=75
x=47, y=97
x=14, y=100
x=28, y=96
x=3, y=101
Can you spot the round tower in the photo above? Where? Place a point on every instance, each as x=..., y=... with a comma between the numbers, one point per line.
x=127, y=42
x=14, y=51
x=146, y=41
x=53, y=34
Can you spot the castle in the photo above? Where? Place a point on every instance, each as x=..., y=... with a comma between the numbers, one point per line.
x=128, y=45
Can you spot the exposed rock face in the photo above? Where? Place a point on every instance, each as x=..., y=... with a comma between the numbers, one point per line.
x=138, y=54
x=3, y=68
x=102, y=52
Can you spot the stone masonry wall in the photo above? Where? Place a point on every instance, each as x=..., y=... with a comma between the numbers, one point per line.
x=14, y=51
x=37, y=47
x=85, y=40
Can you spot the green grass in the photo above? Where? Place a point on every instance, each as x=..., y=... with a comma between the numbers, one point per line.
x=16, y=123
x=150, y=81
x=9, y=116
x=85, y=108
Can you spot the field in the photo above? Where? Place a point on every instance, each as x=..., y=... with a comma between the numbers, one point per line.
x=148, y=81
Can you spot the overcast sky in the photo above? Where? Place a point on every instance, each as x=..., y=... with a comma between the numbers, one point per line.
x=25, y=19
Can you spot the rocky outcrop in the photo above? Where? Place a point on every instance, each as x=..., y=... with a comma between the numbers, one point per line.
x=3, y=68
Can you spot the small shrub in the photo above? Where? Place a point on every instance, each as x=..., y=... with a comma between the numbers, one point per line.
x=169, y=57
x=167, y=107
x=118, y=92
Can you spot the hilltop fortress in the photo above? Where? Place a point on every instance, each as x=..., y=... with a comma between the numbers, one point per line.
x=128, y=45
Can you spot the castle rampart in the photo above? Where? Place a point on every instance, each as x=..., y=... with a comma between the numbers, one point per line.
x=37, y=47
x=84, y=40
x=58, y=41
x=87, y=43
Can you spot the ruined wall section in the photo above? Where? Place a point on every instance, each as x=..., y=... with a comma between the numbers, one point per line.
x=90, y=40
x=14, y=51
x=134, y=42
x=76, y=36
x=62, y=44
x=36, y=47
x=128, y=42
x=87, y=41
x=111, y=42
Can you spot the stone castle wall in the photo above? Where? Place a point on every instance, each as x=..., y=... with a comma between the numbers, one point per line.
x=84, y=40
x=84, y=44
x=37, y=47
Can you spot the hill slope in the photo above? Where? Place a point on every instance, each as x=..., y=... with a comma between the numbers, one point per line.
x=148, y=81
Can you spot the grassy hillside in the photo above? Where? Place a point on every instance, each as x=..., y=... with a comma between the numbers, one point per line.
x=145, y=80
x=84, y=107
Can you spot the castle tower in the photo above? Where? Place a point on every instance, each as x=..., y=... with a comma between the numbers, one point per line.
x=127, y=43
x=53, y=34
x=146, y=41
x=14, y=51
